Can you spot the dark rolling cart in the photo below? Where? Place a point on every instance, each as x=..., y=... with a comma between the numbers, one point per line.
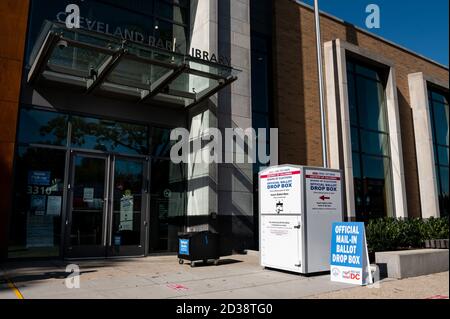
x=198, y=246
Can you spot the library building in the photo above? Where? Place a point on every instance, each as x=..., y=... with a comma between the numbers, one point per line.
x=87, y=110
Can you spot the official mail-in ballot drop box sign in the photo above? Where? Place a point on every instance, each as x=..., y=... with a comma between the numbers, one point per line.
x=298, y=206
x=349, y=258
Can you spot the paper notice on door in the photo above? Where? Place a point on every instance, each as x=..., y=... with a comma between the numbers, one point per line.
x=126, y=212
x=54, y=205
x=88, y=195
x=37, y=204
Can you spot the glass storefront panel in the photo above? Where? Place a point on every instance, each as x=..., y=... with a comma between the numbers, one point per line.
x=88, y=201
x=167, y=205
x=111, y=136
x=42, y=127
x=160, y=143
x=38, y=198
x=127, y=202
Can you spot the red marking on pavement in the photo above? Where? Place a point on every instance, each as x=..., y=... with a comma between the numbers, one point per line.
x=177, y=287
x=437, y=297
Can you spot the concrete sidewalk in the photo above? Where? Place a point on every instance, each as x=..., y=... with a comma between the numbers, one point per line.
x=236, y=277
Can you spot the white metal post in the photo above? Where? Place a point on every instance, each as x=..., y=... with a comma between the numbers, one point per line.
x=321, y=84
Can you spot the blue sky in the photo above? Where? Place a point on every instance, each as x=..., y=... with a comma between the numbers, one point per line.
x=421, y=26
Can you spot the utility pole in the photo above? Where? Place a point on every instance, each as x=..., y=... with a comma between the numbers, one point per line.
x=321, y=84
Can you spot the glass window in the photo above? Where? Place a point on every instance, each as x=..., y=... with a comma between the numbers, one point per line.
x=375, y=167
x=260, y=96
x=371, y=108
x=356, y=165
x=441, y=129
x=355, y=139
x=370, y=142
x=160, y=143
x=38, y=198
x=443, y=188
x=103, y=135
x=350, y=67
x=442, y=155
x=367, y=72
x=352, y=97
x=438, y=102
x=173, y=34
x=132, y=20
x=374, y=143
x=171, y=12
x=439, y=97
x=261, y=88
x=42, y=127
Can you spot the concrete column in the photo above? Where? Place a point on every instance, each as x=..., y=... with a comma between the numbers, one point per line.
x=223, y=27
x=339, y=118
x=424, y=145
x=204, y=25
x=202, y=177
x=236, y=180
x=395, y=138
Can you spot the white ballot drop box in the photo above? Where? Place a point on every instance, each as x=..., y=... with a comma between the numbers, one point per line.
x=297, y=207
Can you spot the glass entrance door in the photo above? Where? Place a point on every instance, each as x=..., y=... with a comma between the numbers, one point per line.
x=107, y=206
x=129, y=206
x=88, y=197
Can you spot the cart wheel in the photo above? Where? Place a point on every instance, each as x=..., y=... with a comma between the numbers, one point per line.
x=180, y=261
x=192, y=264
x=216, y=262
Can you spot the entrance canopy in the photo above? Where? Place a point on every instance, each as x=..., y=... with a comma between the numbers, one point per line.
x=94, y=62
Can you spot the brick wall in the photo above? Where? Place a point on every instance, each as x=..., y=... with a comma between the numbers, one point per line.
x=297, y=94
x=13, y=25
